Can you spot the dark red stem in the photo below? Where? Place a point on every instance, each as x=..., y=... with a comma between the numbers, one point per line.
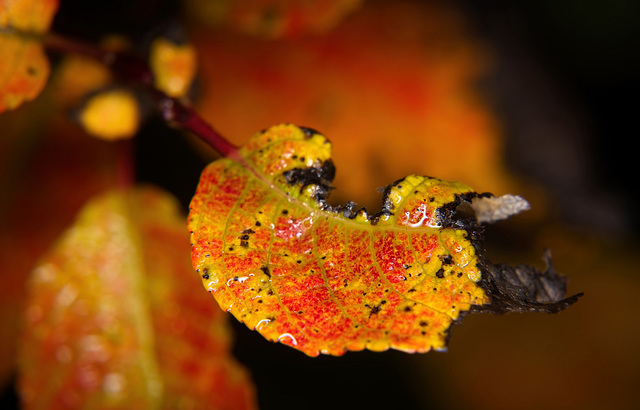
x=185, y=117
x=130, y=68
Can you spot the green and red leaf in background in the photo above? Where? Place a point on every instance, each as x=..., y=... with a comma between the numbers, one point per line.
x=113, y=320
x=328, y=279
x=24, y=68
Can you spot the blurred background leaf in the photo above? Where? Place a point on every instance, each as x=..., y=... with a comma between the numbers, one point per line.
x=24, y=68
x=49, y=168
x=112, y=319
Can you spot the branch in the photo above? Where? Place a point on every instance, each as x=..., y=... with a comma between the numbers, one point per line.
x=130, y=68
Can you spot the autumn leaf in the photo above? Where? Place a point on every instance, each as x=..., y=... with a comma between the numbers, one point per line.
x=113, y=321
x=328, y=279
x=24, y=68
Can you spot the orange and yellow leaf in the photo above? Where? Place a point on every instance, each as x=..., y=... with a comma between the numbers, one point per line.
x=112, y=320
x=328, y=280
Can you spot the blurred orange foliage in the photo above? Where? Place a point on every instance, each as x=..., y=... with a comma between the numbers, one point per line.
x=272, y=18
x=392, y=87
x=51, y=169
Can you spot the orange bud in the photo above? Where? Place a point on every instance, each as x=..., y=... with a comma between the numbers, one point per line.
x=111, y=115
x=173, y=66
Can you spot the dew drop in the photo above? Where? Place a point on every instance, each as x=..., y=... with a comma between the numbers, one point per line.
x=290, y=336
x=262, y=323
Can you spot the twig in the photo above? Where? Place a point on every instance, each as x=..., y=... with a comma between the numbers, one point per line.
x=131, y=68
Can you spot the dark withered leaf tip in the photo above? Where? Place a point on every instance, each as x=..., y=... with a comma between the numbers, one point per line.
x=524, y=288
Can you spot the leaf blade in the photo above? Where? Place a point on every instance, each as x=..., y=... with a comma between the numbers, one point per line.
x=265, y=244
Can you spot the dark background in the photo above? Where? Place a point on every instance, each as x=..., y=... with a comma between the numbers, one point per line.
x=565, y=87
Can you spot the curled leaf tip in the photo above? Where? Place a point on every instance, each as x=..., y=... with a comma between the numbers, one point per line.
x=524, y=288
x=495, y=208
